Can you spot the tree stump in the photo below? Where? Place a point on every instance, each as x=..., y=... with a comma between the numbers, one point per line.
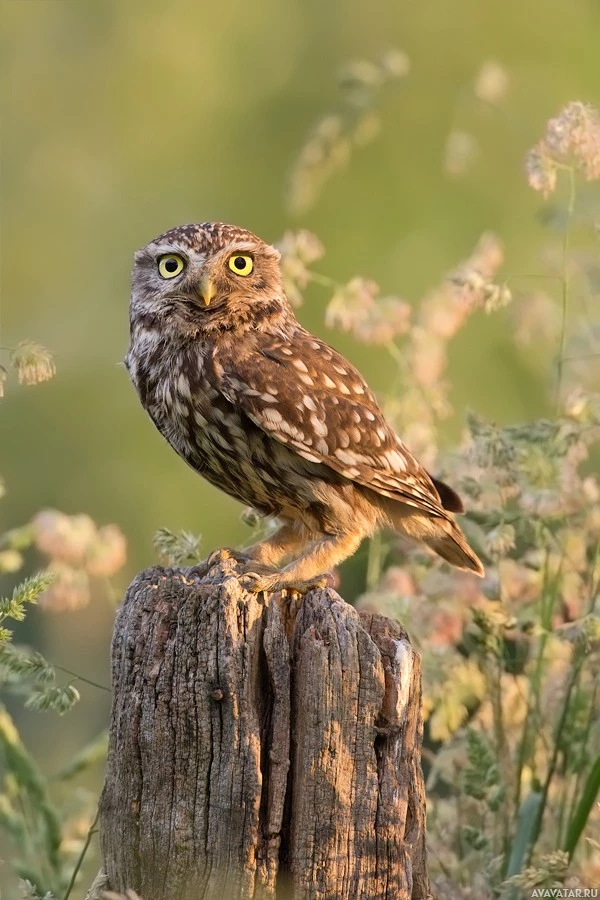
x=261, y=747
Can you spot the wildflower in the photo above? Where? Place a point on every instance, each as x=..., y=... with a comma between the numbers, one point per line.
x=398, y=581
x=540, y=170
x=395, y=63
x=537, y=319
x=495, y=297
x=359, y=80
x=33, y=363
x=572, y=139
x=491, y=82
x=360, y=75
x=428, y=357
x=473, y=280
x=177, y=548
x=354, y=123
x=385, y=321
x=326, y=151
x=65, y=538
x=357, y=308
x=444, y=311
x=366, y=128
x=349, y=305
x=10, y=561
x=459, y=154
x=575, y=135
x=446, y=628
x=108, y=552
x=299, y=249
x=70, y=588
x=500, y=540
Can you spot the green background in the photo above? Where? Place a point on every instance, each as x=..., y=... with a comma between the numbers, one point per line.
x=123, y=118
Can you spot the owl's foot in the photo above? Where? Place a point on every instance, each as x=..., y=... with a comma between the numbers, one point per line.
x=223, y=553
x=255, y=582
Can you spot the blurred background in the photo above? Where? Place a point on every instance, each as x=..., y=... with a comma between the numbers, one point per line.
x=124, y=119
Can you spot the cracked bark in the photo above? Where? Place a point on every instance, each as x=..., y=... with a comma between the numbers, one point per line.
x=261, y=749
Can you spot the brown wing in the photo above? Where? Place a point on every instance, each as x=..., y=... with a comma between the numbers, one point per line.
x=307, y=396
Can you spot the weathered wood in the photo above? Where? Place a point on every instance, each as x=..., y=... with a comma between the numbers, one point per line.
x=261, y=749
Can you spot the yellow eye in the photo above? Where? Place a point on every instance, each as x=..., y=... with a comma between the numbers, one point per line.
x=241, y=265
x=170, y=265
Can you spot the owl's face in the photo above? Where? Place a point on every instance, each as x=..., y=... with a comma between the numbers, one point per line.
x=209, y=276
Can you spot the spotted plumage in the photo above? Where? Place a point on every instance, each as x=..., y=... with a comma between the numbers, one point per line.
x=269, y=413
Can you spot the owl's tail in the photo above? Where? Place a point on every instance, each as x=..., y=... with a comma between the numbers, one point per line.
x=439, y=533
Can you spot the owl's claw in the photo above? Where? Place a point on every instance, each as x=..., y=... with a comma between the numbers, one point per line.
x=223, y=553
x=256, y=582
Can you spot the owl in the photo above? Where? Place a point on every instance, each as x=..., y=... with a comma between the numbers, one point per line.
x=271, y=414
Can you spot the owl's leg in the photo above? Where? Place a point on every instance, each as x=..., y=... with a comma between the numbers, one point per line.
x=288, y=540
x=267, y=554
x=303, y=574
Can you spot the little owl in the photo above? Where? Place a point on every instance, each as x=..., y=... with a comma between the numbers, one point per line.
x=271, y=414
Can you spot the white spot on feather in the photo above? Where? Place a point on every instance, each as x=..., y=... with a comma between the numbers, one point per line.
x=343, y=438
x=183, y=386
x=311, y=457
x=319, y=426
x=273, y=416
x=396, y=461
x=348, y=458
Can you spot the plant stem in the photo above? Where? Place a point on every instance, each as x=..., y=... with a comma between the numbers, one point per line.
x=575, y=672
x=523, y=751
x=91, y=831
x=374, y=562
x=77, y=677
x=565, y=286
x=503, y=753
x=324, y=281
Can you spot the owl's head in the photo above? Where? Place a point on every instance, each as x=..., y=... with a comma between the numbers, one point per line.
x=207, y=277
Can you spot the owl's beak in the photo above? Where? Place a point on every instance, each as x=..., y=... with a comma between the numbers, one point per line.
x=206, y=290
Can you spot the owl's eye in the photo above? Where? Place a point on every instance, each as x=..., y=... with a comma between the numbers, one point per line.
x=240, y=264
x=170, y=265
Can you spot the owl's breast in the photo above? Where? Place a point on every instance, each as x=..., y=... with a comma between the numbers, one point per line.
x=208, y=432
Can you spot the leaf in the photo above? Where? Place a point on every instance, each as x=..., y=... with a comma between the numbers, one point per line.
x=32, y=785
x=526, y=825
x=58, y=698
x=26, y=592
x=25, y=665
x=582, y=812
x=177, y=547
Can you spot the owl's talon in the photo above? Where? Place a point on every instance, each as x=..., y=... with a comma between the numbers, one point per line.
x=223, y=553
x=256, y=583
